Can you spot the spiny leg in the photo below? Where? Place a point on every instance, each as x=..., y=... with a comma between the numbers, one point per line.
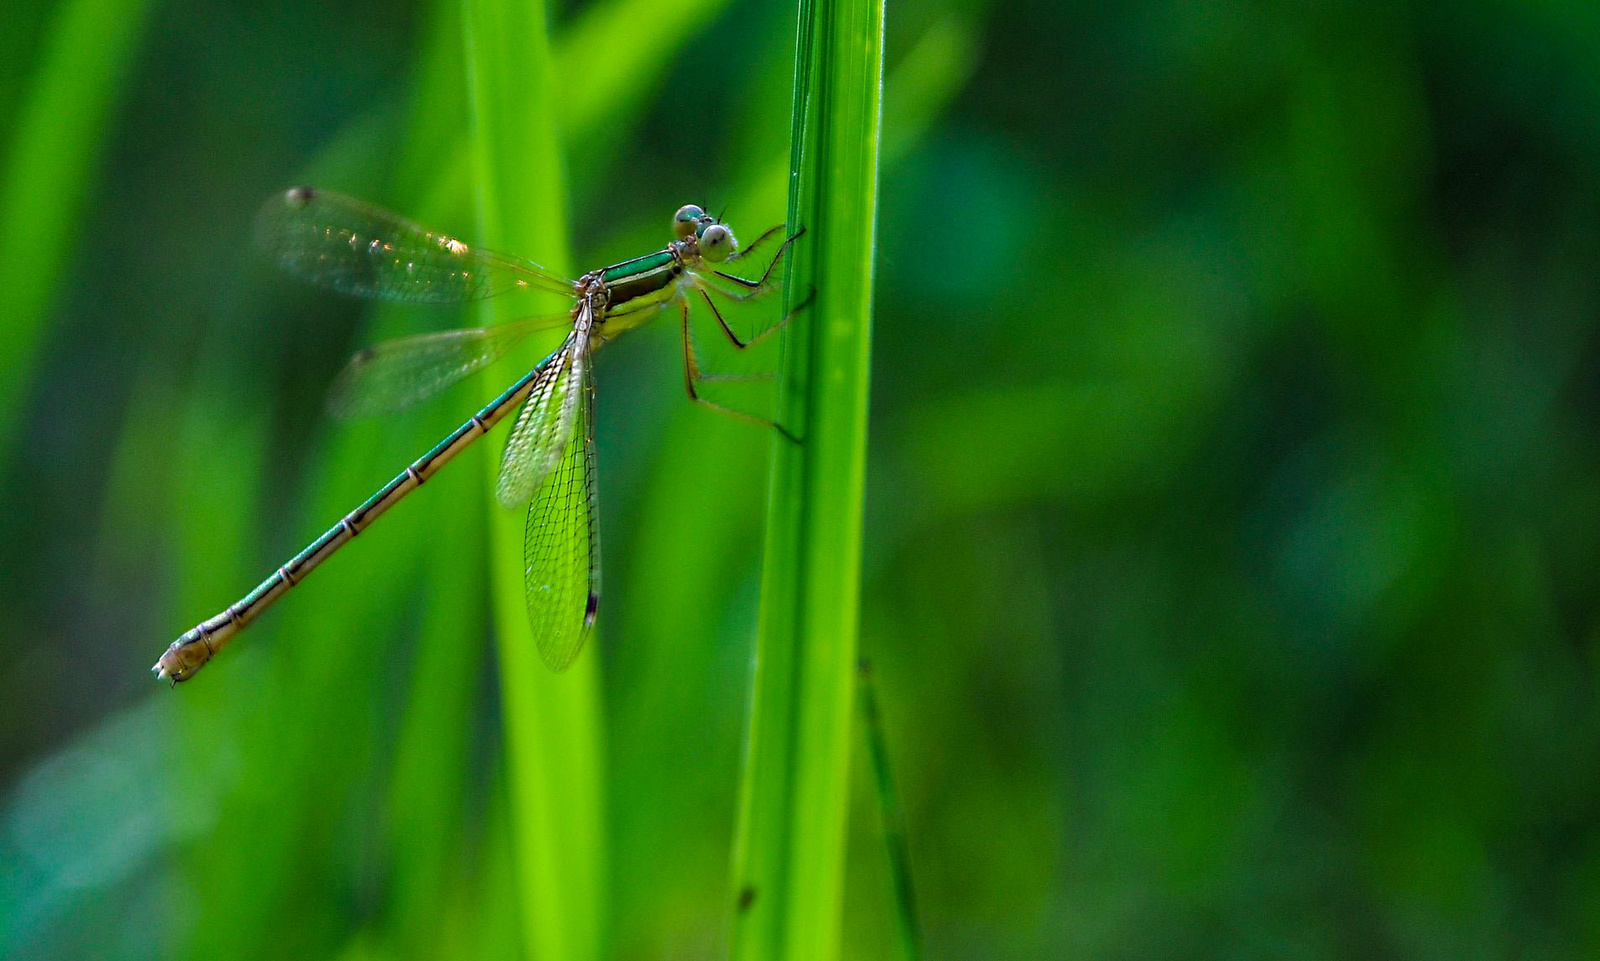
x=752, y=289
x=692, y=376
x=760, y=285
x=734, y=338
x=771, y=232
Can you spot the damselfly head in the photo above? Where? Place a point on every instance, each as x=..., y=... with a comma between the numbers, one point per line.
x=715, y=240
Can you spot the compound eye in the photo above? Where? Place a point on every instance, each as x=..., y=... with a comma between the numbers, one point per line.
x=716, y=243
x=686, y=220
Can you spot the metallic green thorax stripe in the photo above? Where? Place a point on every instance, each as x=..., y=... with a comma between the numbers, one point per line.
x=618, y=273
x=640, y=276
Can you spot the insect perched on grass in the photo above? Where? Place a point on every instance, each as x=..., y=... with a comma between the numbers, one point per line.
x=549, y=457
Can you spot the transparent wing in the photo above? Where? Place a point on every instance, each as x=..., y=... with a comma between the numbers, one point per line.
x=395, y=375
x=545, y=424
x=355, y=248
x=561, y=545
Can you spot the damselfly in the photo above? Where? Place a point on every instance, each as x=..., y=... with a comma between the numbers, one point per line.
x=549, y=459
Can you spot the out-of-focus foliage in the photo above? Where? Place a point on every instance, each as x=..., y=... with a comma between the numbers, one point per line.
x=1233, y=509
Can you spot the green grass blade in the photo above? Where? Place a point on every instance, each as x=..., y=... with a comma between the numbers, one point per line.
x=552, y=722
x=789, y=855
x=891, y=819
x=49, y=168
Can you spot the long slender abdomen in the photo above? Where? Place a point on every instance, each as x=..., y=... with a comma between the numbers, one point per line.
x=190, y=652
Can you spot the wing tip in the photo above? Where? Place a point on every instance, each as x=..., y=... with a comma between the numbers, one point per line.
x=559, y=649
x=559, y=660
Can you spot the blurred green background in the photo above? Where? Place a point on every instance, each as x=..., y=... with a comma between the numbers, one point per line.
x=1233, y=510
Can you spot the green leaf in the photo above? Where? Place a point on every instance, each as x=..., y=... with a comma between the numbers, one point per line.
x=789, y=856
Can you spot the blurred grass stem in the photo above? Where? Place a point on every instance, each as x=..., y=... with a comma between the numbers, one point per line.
x=48, y=172
x=552, y=722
